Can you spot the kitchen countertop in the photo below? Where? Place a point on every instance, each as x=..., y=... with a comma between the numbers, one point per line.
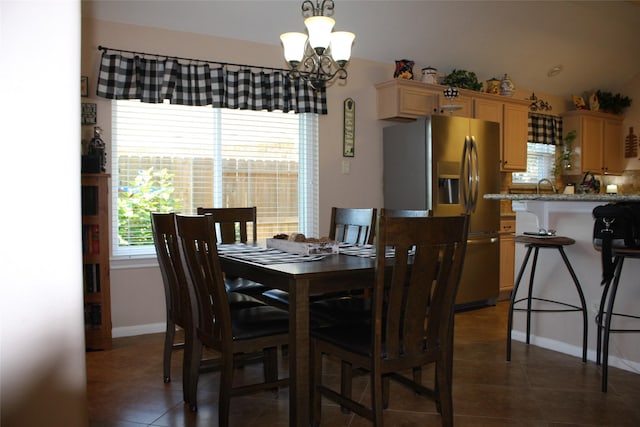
x=549, y=197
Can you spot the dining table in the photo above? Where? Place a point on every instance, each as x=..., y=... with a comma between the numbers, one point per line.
x=301, y=278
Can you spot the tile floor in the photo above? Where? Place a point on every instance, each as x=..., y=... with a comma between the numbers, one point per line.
x=538, y=387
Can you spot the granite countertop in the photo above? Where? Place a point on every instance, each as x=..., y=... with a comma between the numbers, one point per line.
x=549, y=197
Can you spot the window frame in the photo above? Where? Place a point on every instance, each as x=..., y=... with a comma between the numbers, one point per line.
x=308, y=195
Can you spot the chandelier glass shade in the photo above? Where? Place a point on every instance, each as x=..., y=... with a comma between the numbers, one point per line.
x=321, y=54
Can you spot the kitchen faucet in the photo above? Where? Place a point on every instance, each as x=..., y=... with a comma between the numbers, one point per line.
x=547, y=180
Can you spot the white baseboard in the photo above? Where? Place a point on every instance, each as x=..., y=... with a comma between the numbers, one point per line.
x=572, y=350
x=129, y=331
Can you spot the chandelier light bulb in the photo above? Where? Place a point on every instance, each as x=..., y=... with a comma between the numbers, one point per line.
x=294, y=45
x=319, y=28
x=341, y=42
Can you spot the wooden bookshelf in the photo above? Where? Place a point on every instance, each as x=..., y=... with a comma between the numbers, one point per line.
x=95, y=260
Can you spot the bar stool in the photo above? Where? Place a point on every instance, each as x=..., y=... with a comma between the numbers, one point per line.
x=536, y=243
x=604, y=317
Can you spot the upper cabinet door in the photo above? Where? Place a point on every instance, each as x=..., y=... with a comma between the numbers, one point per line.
x=515, y=135
x=613, y=147
x=592, y=134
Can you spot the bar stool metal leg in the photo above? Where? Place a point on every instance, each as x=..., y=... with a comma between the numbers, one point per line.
x=607, y=323
x=585, y=320
x=512, y=301
x=534, y=264
x=601, y=311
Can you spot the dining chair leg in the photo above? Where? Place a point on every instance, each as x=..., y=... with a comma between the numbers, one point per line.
x=444, y=393
x=316, y=380
x=385, y=392
x=270, y=366
x=346, y=383
x=226, y=382
x=376, y=399
x=191, y=371
x=169, y=336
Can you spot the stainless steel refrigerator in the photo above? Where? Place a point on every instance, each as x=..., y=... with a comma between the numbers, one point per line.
x=446, y=164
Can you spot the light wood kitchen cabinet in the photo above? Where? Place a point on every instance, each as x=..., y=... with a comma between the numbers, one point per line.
x=405, y=100
x=599, y=145
x=507, y=257
x=513, y=117
x=463, y=104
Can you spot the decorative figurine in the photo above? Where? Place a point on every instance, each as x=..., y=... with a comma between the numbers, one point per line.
x=404, y=69
x=96, y=149
x=493, y=86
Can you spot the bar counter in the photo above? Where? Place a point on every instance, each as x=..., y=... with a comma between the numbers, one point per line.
x=570, y=215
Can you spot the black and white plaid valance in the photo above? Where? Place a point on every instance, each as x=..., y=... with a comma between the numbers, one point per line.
x=545, y=129
x=187, y=83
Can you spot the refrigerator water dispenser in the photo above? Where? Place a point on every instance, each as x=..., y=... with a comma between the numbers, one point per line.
x=449, y=190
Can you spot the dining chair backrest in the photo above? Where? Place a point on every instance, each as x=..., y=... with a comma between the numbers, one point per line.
x=426, y=270
x=233, y=224
x=179, y=311
x=197, y=235
x=165, y=239
x=353, y=225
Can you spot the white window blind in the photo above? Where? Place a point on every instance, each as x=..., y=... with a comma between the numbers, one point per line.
x=540, y=162
x=176, y=158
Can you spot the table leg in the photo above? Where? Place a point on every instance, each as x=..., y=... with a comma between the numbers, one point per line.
x=299, y=392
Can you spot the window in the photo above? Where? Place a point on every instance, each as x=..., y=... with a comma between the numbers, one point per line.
x=545, y=133
x=176, y=158
x=540, y=163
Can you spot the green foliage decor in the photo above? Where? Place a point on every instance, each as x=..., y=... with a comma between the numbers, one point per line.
x=563, y=159
x=611, y=103
x=150, y=191
x=463, y=79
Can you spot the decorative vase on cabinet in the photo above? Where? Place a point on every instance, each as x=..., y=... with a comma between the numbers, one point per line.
x=506, y=86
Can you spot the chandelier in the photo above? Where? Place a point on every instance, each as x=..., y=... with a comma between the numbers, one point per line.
x=323, y=54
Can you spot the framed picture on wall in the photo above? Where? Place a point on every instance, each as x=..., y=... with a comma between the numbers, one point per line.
x=84, y=86
x=89, y=113
x=349, y=128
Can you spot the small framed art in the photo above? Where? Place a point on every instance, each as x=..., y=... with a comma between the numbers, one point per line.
x=84, y=86
x=349, y=135
x=89, y=113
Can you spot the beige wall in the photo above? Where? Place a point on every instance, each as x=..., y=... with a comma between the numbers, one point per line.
x=137, y=295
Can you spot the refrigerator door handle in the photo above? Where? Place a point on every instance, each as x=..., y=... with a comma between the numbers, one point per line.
x=475, y=172
x=465, y=176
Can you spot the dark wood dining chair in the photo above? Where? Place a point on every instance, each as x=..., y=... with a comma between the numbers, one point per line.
x=236, y=225
x=353, y=225
x=397, y=339
x=232, y=333
x=177, y=305
x=348, y=225
x=179, y=311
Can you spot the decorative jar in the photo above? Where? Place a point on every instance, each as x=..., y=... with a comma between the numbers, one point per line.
x=506, y=86
x=429, y=75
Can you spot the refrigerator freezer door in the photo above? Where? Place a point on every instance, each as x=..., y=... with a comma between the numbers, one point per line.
x=481, y=273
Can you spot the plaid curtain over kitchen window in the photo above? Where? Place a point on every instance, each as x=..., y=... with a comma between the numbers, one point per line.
x=198, y=84
x=545, y=129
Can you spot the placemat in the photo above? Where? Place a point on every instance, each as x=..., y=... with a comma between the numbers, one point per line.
x=263, y=255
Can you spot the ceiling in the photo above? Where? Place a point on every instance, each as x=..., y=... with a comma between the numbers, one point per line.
x=595, y=42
